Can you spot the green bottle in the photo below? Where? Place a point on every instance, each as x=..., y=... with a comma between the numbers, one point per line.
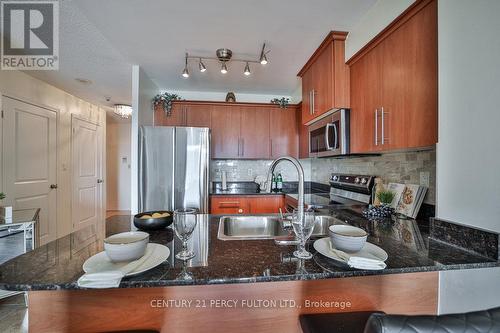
x=279, y=183
x=273, y=184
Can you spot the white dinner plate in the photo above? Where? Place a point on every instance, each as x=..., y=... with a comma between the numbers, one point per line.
x=370, y=251
x=100, y=262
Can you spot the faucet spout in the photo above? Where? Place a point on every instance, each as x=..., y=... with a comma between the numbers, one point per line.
x=300, y=172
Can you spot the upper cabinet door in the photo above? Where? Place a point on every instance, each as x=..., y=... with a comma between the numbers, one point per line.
x=177, y=116
x=284, y=132
x=322, y=82
x=254, y=129
x=225, y=122
x=325, y=78
x=198, y=115
x=307, y=90
x=397, y=79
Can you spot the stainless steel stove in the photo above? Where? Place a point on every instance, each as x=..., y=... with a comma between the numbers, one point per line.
x=351, y=189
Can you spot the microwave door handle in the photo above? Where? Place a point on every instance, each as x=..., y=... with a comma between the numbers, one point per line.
x=327, y=141
x=336, y=144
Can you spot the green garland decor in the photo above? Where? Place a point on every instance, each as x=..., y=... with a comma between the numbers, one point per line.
x=165, y=100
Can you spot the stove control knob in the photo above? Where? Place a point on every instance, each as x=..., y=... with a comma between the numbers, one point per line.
x=356, y=180
x=335, y=178
x=363, y=180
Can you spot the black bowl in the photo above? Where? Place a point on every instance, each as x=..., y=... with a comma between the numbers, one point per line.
x=153, y=223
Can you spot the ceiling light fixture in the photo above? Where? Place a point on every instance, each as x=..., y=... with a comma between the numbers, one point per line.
x=185, y=72
x=202, y=66
x=123, y=110
x=224, y=56
x=223, y=69
x=247, y=69
x=263, y=58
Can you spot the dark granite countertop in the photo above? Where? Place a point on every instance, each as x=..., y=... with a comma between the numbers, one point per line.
x=58, y=264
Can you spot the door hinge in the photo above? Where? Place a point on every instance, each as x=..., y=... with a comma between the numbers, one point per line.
x=2, y=114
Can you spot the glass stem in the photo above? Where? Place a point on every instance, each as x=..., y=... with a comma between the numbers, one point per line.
x=184, y=246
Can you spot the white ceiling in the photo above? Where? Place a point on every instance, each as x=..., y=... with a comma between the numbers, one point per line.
x=99, y=40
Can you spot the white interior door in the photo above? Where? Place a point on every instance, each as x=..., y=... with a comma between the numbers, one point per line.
x=86, y=169
x=30, y=161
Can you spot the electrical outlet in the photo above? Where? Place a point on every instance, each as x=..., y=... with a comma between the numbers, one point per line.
x=250, y=172
x=425, y=178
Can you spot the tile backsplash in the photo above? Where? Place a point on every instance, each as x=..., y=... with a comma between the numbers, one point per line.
x=247, y=170
x=403, y=167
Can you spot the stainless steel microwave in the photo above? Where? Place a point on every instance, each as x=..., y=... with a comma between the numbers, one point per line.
x=329, y=136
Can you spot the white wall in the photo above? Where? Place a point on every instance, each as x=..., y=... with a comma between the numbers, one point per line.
x=143, y=91
x=375, y=20
x=468, y=290
x=24, y=87
x=221, y=96
x=468, y=159
x=118, y=165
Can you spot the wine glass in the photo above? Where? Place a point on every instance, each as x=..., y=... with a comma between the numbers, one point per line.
x=303, y=231
x=184, y=223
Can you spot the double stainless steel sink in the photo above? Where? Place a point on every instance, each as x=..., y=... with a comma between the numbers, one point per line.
x=266, y=227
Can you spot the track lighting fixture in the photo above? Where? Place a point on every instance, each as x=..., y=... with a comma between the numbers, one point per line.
x=223, y=56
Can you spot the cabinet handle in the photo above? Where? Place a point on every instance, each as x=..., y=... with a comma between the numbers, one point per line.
x=240, y=211
x=271, y=148
x=238, y=146
x=310, y=102
x=242, y=147
x=313, y=98
x=376, y=127
x=383, y=129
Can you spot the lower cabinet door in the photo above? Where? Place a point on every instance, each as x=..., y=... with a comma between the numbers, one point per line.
x=269, y=204
x=229, y=205
x=256, y=204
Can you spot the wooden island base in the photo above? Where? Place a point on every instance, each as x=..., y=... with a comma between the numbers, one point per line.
x=250, y=307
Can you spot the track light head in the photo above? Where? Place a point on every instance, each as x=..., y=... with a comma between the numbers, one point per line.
x=223, y=69
x=247, y=70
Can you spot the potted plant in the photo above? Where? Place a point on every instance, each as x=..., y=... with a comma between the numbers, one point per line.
x=5, y=211
x=385, y=197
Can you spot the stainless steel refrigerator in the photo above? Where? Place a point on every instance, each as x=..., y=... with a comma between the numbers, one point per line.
x=173, y=168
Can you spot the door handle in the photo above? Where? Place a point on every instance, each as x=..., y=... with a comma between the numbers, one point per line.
x=99, y=181
x=53, y=186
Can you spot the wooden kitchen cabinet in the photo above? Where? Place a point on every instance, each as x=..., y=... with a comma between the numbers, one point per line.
x=198, y=115
x=252, y=204
x=225, y=122
x=254, y=132
x=239, y=130
x=284, y=132
x=325, y=78
x=177, y=116
x=394, y=85
x=268, y=204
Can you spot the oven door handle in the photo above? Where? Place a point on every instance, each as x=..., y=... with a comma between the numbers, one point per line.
x=327, y=140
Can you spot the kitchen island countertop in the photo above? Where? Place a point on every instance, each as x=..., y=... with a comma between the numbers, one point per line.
x=58, y=264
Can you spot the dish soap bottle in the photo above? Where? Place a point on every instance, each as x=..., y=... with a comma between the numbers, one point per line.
x=279, y=183
x=273, y=184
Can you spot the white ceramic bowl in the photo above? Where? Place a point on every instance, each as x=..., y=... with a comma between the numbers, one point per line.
x=347, y=238
x=126, y=246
